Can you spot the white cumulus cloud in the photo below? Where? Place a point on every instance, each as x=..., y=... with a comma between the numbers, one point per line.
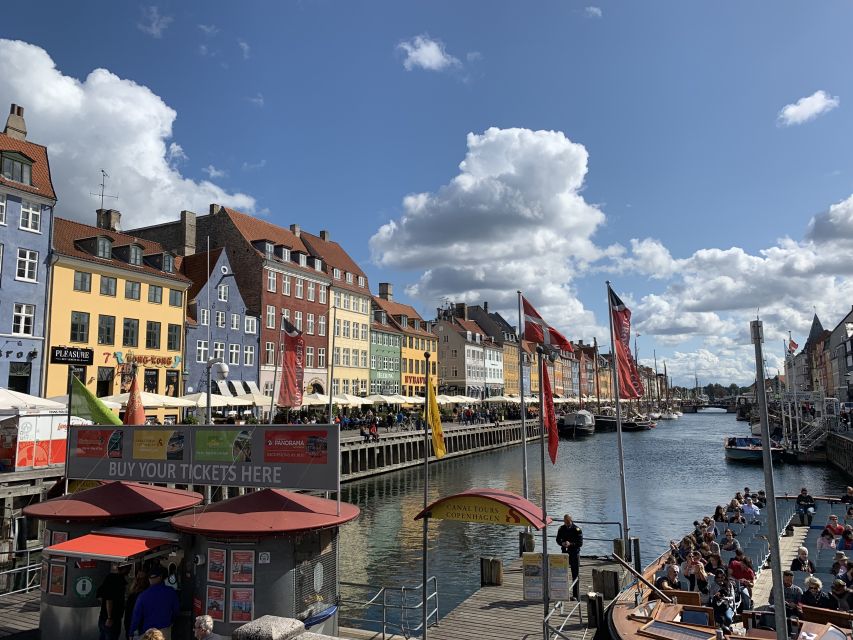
x=426, y=53
x=105, y=121
x=593, y=12
x=213, y=173
x=807, y=108
x=245, y=49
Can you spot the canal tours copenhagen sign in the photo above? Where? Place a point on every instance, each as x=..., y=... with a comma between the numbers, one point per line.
x=74, y=356
x=292, y=456
x=476, y=509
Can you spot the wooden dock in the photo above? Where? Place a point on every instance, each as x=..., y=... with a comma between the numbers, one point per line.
x=19, y=615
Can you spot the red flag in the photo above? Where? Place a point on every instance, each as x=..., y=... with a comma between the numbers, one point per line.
x=293, y=367
x=630, y=383
x=548, y=416
x=792, y=346
x=134, y=412
x=538, y=331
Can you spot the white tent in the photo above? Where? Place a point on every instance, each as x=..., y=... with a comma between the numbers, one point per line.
x=314, y=400
x=345, y=399
x=151, y=400
x=13, y=400
x=199, y=400
x=257, y=399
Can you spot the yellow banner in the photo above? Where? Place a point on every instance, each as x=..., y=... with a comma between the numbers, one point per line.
x=476, y=509
x=150, y=445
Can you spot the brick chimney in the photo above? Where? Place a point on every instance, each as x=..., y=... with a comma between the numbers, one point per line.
x=324, y=235
x=486, y=306
x=109, y=219
x=386, y=291
x=461, y=310
x=188, y=233
x=15, y=125
x=295, y=230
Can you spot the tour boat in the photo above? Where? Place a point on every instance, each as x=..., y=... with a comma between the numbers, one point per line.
x=749, y=449
x=578, y=424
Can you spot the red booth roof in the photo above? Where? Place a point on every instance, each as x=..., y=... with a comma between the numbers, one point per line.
x=264, y=513
x=100, y=546
x=115, y=500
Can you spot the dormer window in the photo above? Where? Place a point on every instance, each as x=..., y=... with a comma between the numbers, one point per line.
x=318, y=264
x=18, y=168
x=269, y=249
x=168, y=263
x=303, y=260
x=285, y=254
x=349, y=278
x=135, y=256
x=105, y=247
x=468, y=336
x=337, y=273
x=361, y=281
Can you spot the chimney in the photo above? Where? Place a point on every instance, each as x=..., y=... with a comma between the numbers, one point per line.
x=461, y=310
x=216, y=208
x=295, y=230
x=109, y=219
x=15, y=126
x=188, y=233
x=386, y=291
x=485, y=306
x=324, y=235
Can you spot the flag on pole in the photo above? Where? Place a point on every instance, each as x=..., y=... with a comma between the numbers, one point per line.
x=434, y=420
x=792, y=346
x=85, y=405
x=548, y=414
x=630, y=383
x=134, y=413
x=292, y=367
x=538, y=331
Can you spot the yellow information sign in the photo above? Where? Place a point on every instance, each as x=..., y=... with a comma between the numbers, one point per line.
x=150, y=445
x=481, y=510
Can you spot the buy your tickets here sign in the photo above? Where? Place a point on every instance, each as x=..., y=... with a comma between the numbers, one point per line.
x=293, y=456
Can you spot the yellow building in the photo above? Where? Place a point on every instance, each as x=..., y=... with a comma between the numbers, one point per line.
x=511, y=386
x=122, y=297
x=417, y=339
x=350, y=314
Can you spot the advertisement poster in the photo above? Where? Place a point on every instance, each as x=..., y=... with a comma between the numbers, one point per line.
x=95, y=443
x=299, y=447
x=216, y=603
x=293, y=368
x=216, y=565
x=242, y=605
x=57, y=580
x=242, y=567
x=223, y=446
x=532, y=586
x=559, y=577
x=58, y=537
x=158, y=445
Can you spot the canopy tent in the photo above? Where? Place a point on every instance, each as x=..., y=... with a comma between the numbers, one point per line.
x=315, y=400
x=12, y=400
x=257, y=399
x=151, y=400
x=444, y=399
x=199, y=400
x=531, y=400
x=63, y=400
x=378, y=398
x=415, y=400
x=500, y=399
x=348, y=400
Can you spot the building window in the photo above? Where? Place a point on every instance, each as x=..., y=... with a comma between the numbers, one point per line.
x=132, y=290
x=322, y=297
x=337, y=326
x=251, y=324
x=346, y=333
x=361, y=281
x=336, y=299
x=345, y=357
x=298, y=320
x=168, y=263
x=155, y=294
x=27, y=265
x=285, y=285
x=321, y=328
x=222, y=293
x=235, y=321
x=176, y=298
x=337, y=273
x=105, y=247
x=79, y=326
x=82, y=281
x=364, y=332
x=303, y=260
x=106, y=329
x=201, y=350
x=309, y=357
x=130, y=335
x=135, y=254
x=299, y=284
x=363, y=359
x=23, y=318
x=204, y=317
x=2, y=208
x=267, y=388
x=349, y=278
x=152, y=335
x=318, y=264
x=270, y=317
x=321, y=357
x=310, y=324
x=270, y=352
x=249, y=355
x=220, y=319
x=285, y=315
x=285, y=254
x=337, y=356
x=311, y=289
x=17, y=170
x=30, y=216
x=108, y=286
x=373, y=362
x=271, y=278
x=345, y=298
x=218, y=350
x=234, y=354
x=173, y=337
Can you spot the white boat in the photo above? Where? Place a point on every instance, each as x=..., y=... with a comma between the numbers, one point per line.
x=668, y=415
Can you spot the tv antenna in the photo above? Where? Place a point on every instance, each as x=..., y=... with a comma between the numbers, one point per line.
x=103, y=185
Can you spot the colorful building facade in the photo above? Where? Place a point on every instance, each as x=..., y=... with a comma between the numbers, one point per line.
x=385, y=347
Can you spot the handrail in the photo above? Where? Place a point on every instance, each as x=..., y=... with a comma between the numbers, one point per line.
x=31, y=571
x=601, y=522
x=560, y=605
x=403, y=606
x=639, y=576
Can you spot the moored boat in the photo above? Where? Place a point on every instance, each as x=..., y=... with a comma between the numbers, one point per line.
x=749, y=449
x=577, y=424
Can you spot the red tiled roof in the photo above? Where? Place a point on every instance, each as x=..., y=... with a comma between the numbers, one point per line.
x=67, y=233
x=254, y=229
x=334, y=256
x=42, y=184
x=194, y=267
x=397, y=309
x=391, y=327
x=473, y=327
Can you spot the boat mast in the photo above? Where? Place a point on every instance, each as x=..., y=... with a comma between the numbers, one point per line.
x=597, y=382
x=657, y=388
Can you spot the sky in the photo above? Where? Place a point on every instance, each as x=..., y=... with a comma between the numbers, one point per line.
x=694, y=154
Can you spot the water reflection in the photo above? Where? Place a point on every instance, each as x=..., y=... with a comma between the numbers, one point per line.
x=674, y=474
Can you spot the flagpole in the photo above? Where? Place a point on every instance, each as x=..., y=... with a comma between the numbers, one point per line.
x=331, y=357
x=426, y=501
x=620, y=451
x=279, y=353
x=540, y=351
x=521, y=396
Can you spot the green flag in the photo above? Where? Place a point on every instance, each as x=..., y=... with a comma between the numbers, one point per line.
x=85, y=405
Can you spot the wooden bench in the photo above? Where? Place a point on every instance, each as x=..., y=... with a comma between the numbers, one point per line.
x=842, y=619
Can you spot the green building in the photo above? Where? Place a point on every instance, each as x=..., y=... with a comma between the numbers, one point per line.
x=385, y=340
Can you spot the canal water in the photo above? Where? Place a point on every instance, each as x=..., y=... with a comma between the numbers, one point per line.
x=674, y=473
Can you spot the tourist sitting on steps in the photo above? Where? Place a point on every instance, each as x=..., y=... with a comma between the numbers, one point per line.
x=694, y=570
x=750, y=511
x=832, y=525
x=840, y=596
x=845, y=542
x=805, y=506
x=802, y=561
x=848, y=517
x=719, y=514
x=723, y=592
x=670, y=579
x=826, y=540
x=814, y=595
x=730, y=543
x=792, y=594
x=840, y=565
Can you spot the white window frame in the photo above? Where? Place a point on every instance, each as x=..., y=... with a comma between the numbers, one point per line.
x=321, y=357
x=134, y=256
x=222, y=293
x=21, y=311
x=270, y=316
x=235, y=321
x=250, y=325
x=249, y=355
x=33, y=216
x=364, y=331
x=337, y=273
x=201, y=351
x=285, y=285
x=234, y=354
x=322, y=296
x=272, y=277
x=297, y=320
x=309, y=357
x=269, y=350
x=349, y=278
x=30, y=260
x=104, y=247
x=204, y=316
x=361, y=281
x=309, y=324
x=3, y=209
x=321, y=325
x=303, y=260
x=346, y=329
x=300, y=284
x=311, y=289
x=220, y=319
x=364, y=359
x=218, y=350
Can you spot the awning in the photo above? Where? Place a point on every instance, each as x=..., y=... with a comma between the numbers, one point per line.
x=99, y=546
x=487, y=506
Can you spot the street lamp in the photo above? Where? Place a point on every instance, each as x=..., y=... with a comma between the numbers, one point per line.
x=221, y=372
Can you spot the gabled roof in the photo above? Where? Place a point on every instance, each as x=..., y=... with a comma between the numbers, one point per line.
x=397, y=309
x=254, y=229
x=42, y=184
x=67, y=235
x=391, y=327
x=334, y=256
x=816, y=331
x=195, y=267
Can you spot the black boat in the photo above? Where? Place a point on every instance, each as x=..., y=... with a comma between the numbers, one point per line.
x=576, y=425
x=608, y=423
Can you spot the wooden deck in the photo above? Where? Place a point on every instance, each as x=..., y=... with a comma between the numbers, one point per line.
x=19, y=615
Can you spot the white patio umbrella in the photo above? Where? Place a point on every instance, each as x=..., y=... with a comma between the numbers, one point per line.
x=444, y=399
x=415, y=400
x=199, y=400
x=531, y=399
x=378, y=398
x=463, y=399
x=399, y=399
x=16, y=400
x=257, y=399
x=348, y=400
x=314, y=400
x=496, y=399
x=151, y=400
x=64, y=400
x=513, y=399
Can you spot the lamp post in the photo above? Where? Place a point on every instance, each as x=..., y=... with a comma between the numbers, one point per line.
x=221, y=370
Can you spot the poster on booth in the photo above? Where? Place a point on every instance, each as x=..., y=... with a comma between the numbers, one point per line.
x=242, y=605
x=215, y=604
x=559, y=584
x=158, y=444
x=532, y=571
x=242, y=567
x=291, y=446
x=216, y=565
x=217, y=445
x=57, y=580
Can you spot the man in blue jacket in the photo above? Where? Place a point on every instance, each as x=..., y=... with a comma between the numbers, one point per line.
x=156, y=608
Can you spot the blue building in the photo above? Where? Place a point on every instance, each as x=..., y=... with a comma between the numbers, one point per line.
x=26, y=225
x=220, y=328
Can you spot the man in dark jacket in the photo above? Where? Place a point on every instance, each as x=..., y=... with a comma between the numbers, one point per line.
x=111, y=594
x=570, y=539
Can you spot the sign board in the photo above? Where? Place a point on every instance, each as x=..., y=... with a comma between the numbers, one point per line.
x=292, y=456
x=559, y=576
x=478, y=509
x=72, y=355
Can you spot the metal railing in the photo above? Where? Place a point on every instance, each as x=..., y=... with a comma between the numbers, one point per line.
x=559, y=609
x=23, y=578
x=397, y=607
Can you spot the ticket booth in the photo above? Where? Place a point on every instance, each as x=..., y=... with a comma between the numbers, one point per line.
x=87, y=533
x=270, y=552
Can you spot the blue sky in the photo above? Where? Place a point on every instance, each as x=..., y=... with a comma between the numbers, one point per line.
x=329, y=114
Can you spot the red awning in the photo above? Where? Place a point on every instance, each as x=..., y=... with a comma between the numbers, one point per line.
x=99, y=546
x=487, y=506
